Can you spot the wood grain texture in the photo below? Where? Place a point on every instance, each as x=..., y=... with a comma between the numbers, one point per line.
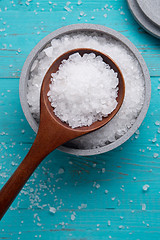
x=122, y=172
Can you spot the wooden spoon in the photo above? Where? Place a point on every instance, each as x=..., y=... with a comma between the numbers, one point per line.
x=52, y=131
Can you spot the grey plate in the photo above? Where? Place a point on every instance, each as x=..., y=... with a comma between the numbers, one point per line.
x=142, y=18
x=88, y=28
x=151, y=8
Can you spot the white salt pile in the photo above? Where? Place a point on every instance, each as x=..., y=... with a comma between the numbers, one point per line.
x=131, y=70
x=83, y=90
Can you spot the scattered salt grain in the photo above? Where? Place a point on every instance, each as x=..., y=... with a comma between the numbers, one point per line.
x=61, y=171
x=145, y=187
x=106, y=191
x=52, y=210
x=76, y=80
x=31, y=190
x=79, y=2
x=155, y=155
x=73, y=217
x=68, y=3
x=109, y=223
x=67, y=9
x=157, y=123
x=154, y=140
x=97, y=186
x=121, y=227
x=143, y=206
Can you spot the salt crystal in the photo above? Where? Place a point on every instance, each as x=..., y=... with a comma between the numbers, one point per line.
x=106, y=191
x=52, y=210
x=121, y=227
x=155, y=155
x=143, y=206
x=68, y=3
x=145, y=187
x=73, y=217
x=109, y=223
x=154, y=140
x=79, y=2
x=61, y=171
x=81, y=13
x=157, y=123
x=97, y=186
x=67, y=9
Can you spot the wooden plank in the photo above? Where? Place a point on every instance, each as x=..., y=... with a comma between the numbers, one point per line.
x=81, y=188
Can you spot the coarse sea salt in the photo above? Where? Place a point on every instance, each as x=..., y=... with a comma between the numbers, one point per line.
x=131, y=70
x=83, y=90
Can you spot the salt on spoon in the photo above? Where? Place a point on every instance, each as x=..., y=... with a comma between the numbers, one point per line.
x=52, y=131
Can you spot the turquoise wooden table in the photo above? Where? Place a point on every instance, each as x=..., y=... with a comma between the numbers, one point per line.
x=69, y=197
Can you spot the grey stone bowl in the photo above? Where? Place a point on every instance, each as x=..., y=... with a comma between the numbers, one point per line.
x=88, y=28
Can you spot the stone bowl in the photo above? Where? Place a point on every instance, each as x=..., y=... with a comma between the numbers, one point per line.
x=88, y=28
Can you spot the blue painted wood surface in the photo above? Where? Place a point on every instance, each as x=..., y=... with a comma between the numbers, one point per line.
x=80, y=190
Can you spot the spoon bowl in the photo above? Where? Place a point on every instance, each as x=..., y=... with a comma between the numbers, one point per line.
x=52, y=131
x=54, y=68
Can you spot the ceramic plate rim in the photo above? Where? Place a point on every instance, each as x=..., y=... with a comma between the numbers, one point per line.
x=143, y=20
